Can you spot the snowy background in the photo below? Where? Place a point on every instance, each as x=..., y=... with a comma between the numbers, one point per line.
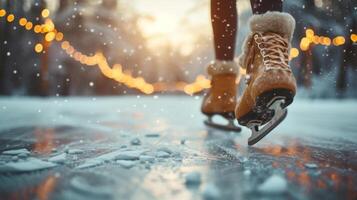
x=167, y=43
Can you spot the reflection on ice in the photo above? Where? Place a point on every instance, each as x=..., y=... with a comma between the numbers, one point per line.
x=313, y=167
x=44, y=141
x=106, y=160
x=45, y=189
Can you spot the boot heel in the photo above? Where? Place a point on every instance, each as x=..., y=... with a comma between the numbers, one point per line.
x=266, y=99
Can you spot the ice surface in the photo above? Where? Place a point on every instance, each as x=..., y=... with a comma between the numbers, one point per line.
x=89, y=164
x=16, y=152
x=247, y=172
x=75, y=151
x=15, y=158
x=162, y=154
x=145, y=158
x=193, y=178
x=61, y=158
x=211, y=192
x=152, y=135
x=94, y=135
x=23, y=155
x=182, y=141
x=29, y=115
x=129, y=155
x=91, y=187
x=275, y=184
x=165, y=149
x=126, y=163
x=135, y=141
x=30, y=164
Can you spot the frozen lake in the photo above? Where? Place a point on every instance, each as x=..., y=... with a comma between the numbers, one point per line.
x=157, y=147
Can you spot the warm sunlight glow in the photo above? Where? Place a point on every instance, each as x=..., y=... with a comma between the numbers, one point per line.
x=116, y=72
x=172, y=23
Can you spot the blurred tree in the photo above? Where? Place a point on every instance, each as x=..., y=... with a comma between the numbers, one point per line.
x=327, y=18
x=4, y=32
x=19, y=65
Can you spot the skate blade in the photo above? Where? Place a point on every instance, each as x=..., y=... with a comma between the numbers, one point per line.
x=229, y=127
x=279, y=115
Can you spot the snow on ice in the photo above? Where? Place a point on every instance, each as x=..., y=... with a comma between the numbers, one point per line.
x=75, y=151
x=61, y=158
x=275, y=184
x=211, y=192
x=126, y=163
x=30, y=164
x=16, y=152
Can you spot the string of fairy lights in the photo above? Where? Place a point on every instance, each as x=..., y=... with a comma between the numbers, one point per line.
x=116, y=72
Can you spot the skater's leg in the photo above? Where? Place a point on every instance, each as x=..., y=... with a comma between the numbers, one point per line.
x=224, y=24
x=221, y=97
x=263, y=6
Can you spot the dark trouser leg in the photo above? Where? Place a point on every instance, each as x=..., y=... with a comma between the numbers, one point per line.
x=262, y=6
x=224, y=23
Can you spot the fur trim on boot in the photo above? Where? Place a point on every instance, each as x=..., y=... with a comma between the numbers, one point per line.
x=276, y=22
x=222, y=67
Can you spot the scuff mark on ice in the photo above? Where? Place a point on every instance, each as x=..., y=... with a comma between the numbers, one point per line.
x=115, y=155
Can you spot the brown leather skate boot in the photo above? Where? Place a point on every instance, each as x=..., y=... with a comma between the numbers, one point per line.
x=221, y=98
x=271, y=86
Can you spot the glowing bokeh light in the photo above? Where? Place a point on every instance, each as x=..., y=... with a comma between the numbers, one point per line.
x=38, y=48
x=45, y=13
x=22, y=21
x=28, y=26
x=294, y=52
x=339, y=40
x=2, y=12
x=50, y=36
x=116, y=72
x=354, y=37
x=10, y=18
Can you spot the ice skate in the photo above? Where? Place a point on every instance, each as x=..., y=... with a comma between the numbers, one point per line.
x=271, y=86
x=221, y=98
